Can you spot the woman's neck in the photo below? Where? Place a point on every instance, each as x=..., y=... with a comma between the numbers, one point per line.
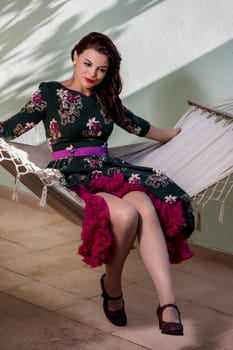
x=74, y=85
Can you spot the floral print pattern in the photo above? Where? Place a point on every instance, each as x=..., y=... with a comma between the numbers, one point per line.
x=53, y=132
x=129, y=126
x=135, y=179
x=170, y=199
x=115, y=170
x=36, y=103
x=70, y=106
x=157, y=179
x=96, y=173
x=94, y=127
x=94, y=162
x=20, y=129
x=134, y=130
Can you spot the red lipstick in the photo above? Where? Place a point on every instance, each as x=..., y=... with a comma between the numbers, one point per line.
x=90, y=81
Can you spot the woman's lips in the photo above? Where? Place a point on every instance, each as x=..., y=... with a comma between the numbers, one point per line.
x=90, y=81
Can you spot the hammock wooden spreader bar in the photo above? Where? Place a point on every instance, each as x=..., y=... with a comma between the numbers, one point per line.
x=211, y=110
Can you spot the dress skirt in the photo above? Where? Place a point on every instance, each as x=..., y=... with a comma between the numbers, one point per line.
x=87, y=176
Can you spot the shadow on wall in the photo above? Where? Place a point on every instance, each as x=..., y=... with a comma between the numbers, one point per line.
x=54, y=51
x=202, y=80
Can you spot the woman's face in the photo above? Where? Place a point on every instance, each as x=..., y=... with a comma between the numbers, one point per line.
x=91, y=68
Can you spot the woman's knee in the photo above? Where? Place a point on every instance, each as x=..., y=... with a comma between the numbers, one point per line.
x=142, y=203
x=126, y=215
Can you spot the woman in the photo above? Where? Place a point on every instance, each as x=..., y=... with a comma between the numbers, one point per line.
x=122, y=201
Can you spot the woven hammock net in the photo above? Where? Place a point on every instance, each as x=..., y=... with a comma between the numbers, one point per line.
x=199, y=159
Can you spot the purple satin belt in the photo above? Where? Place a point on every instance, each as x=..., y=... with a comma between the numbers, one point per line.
x=81, y=151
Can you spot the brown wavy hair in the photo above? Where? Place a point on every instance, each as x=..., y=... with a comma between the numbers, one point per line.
x=110, y=87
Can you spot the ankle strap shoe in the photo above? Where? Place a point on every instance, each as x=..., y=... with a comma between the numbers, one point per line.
x=171, y=328
x=117, y=317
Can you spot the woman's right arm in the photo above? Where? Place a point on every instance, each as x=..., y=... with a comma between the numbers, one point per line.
x=31, y=114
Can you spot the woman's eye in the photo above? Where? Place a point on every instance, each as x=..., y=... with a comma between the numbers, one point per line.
x=87, y=64
x=103, y=70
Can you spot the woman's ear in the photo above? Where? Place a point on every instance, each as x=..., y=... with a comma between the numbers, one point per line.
x=75, y=57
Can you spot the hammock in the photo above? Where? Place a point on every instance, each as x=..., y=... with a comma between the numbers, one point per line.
x=199, y=159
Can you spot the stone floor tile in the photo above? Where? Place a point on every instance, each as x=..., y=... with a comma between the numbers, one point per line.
x=37, y=329
x=77, y=282
x=10, y=249
x=143, y=323
x=43, y=295
x=205, y=323
x=225, y=340
x=207, y=346
x=9, y=224
x=66, y=227
x=34, y=214
x=44, y=263
x=149, y=336
x=9, y=279
x=39, y=238
x=192, y=287
x=218, y=272
x=141, y=301
x=218, y=299
x=144, y=331
x=134, y=269
x=90, y=313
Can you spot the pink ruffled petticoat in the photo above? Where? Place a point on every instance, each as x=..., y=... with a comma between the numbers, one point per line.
x=97, y=239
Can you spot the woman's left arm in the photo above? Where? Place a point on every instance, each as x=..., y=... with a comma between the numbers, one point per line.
x=141, y=127
x=162, y=135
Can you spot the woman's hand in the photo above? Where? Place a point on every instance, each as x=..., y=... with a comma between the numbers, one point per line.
x=162, y=136
x=169, y=134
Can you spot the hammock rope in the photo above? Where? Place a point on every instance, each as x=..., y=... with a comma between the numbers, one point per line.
x=47, y=184
x=218, y=192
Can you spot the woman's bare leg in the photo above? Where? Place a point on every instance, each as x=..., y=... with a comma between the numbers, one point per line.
x=124, y=219
x=154, y=252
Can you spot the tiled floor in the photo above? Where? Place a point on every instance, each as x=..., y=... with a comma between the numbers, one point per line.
x=50, y=300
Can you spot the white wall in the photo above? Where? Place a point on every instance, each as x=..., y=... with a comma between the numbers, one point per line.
x=171, y=35
x=155, y=38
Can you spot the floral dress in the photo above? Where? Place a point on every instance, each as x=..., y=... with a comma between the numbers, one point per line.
x=73, y=120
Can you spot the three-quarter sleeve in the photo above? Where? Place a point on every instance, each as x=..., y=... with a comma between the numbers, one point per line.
x=133, y=123
x=31, y=114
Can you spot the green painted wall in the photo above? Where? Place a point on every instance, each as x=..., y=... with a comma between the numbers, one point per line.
x=208, y=78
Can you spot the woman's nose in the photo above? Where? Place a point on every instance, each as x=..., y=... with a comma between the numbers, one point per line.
x=93, y=72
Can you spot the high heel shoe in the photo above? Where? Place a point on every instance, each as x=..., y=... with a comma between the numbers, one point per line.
x=172, y=328
x=117, y=317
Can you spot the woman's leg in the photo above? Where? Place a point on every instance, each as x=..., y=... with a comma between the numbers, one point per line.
x=154, y=252
x=124, y=219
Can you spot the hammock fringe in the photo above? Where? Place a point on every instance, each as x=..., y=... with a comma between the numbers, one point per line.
x=43, y=199
x=221, y=213
x=15, y=194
